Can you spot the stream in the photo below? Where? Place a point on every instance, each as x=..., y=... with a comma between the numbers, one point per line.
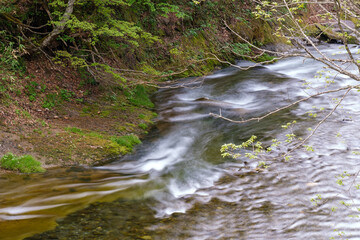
x=177, y=186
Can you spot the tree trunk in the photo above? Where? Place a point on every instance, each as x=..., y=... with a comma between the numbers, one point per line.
x=60, y=27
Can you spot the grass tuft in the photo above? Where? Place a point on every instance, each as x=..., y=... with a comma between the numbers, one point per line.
x=24, y=164
x=128, y=141
x=74, y=130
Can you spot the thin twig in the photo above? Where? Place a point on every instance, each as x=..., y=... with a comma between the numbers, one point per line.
x=319, y=124
x=279, y=109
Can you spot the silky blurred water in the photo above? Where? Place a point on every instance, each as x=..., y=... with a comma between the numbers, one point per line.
x=177, y=185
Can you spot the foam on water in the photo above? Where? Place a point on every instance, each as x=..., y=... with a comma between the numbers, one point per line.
x=187, y=117
x=26, y=209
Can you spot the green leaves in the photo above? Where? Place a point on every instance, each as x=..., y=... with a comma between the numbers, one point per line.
x=317, y=200
x=238, y=48
x=309, y=148
x=162, y=9
x=289, y=124
x=230, y=150
x=66, y=57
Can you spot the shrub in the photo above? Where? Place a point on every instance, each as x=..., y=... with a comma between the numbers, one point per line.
x=24, y=164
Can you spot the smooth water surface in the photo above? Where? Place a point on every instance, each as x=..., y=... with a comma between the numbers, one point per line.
x=177, y=185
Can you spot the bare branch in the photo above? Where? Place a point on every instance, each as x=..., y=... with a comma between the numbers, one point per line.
x=282, y=108
x=319, y=124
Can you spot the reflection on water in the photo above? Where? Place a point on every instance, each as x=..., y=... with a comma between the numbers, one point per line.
x=177, y=186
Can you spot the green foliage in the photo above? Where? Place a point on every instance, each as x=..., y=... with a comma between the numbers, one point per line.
x=87, y=78
x=262, y=164
x=84, y=133
x=24, y=164
x=149, y=70
x=64, y=57
x=9, y=51
x=265, y=58
x=139, y=97
x=31, y=90
x=143, y=126
x=128, y=141
x=7, y=6
x=23, y=113
x=108, y=69
x=289, y=125
x=98, y=19
x=66, y=95
x=51, y=100
x=55, y=99
x=239, y=48
x=95, y=134
x=162, y=9
x=253, y=149
x=317, y=200
x=73, y=130
x=229, y=150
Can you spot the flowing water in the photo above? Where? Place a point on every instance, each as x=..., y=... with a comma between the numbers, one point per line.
x=177, y=185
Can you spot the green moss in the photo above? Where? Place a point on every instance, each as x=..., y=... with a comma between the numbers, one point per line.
x=312, y=30
x=128, y=141
x=199, y=42
x=265, y=57
x=105, y=113
x=95, y=134
x=238, y=48
x=149, y=69
x=114, y=149
x=73, y=130
x=143, y=126
x=24, y=164
x=120, y=128
x=139, y=97
x=86, y=109
x=130, y=126
x=265, y=33
x=148, y=116
x=328, y=33
x=356, y=21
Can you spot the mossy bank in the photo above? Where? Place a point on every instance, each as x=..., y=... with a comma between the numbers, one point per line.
x=89, y=127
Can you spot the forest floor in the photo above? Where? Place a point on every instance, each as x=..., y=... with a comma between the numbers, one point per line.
x=63, y=118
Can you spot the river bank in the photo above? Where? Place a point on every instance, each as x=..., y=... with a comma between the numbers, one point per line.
x=61, y=120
